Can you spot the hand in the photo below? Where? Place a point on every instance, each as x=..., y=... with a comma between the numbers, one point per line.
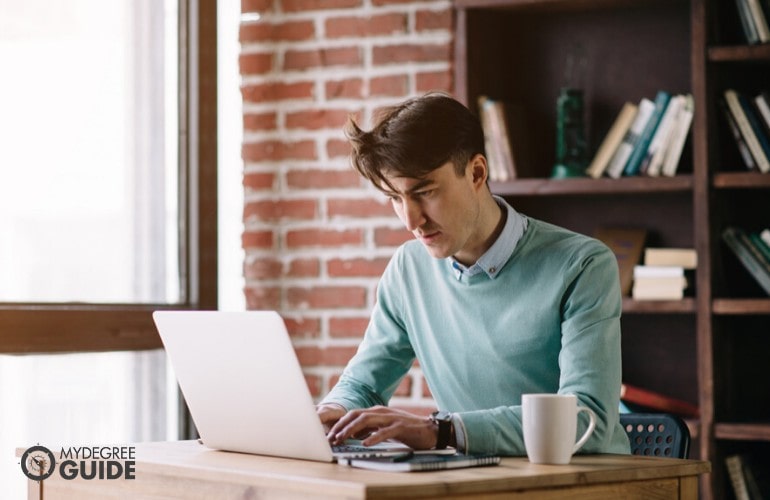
x=380, y=423
x=329, y=414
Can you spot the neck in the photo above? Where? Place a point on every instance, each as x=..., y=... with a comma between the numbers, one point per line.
x=491, y=223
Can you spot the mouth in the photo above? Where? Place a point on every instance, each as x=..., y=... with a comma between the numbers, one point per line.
x=428, y=237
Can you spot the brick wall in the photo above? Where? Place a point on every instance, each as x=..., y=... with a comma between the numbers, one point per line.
x=316, y=237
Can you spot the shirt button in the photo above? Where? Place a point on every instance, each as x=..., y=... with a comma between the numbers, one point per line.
x=492, y=270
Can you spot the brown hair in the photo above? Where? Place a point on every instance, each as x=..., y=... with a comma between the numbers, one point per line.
x=416, y=137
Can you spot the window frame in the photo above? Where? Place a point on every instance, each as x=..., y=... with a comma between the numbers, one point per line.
x=82, y=327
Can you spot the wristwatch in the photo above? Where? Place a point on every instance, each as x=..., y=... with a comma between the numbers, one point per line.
x=444, y=421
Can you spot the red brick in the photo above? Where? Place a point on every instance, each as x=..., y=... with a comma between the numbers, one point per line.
x=255, y=181
x=433, y=20
x=437, y=80
x=305, y=5
x=404, y=388
x=259, y=121
x=304, y=268
x=384, y=24
x=391, y=2
x=263, y=269
x=277, y=151
x=348, y=327
x=425, y=389
x=323, y=179
x=265, y=31
x=395, y=85
x=257, y=239
x=314, y=385
x=336, y=148
x=387, y=237
x=277, y=91
x=327, y=356
x=256, y=5
x=269, y=210
x=326, y=297
x=317, y=119
x=410, y=52
x=358, y=208
x=263, y=298
x=357, y=267
x=255, y=64
x=302, y=327
x=351, y=88
x=318, y=58
x=323, y=238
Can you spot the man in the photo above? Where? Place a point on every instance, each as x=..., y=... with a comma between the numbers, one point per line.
x=492, y=303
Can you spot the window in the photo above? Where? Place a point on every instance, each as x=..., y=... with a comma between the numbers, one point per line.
x=108, y=168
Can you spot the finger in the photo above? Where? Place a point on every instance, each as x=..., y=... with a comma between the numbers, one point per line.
x=364, y=421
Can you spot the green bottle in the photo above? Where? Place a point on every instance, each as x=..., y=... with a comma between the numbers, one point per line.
x=571, y=147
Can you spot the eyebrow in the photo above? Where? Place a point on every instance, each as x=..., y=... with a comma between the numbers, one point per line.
x=421, y=184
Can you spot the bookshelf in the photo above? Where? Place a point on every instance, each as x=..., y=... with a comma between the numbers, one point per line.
x=710, y=349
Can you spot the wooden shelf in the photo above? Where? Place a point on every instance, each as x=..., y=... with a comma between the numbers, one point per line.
x=546, y=5
x=684, y=306
x=743, y=431
x=739, y=53
x=585, y=186
x=749, y=180
x=741, y=306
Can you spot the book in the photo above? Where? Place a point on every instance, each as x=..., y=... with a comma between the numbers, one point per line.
x=612, y=140
x=762, y=247
x=658, y=289
x=760, y=22
x=626, y=147
x=743, y=149
x=683, y=257
x=422, y=462
x=627, y=245
x=762, y=103
x=645, y=271
x=735, y=107
x=756, y=122
x=765, y=236
x=492, y=145
x=741, y=247
x=636, y=396
x=747, y=21
x=744, y=477
x=679, y=136
x=653, y=160
x=662, y=99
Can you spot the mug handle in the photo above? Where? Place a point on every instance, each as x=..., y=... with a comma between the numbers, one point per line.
x=589, y=431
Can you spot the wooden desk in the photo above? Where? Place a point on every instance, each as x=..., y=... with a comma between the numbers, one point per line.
x=188, y=470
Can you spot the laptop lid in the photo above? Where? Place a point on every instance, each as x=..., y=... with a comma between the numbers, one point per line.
x=244, y=385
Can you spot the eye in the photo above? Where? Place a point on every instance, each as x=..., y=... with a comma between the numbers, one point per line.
x=425, y=193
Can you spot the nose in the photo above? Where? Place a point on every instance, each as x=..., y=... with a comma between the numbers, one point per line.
x=411, y=214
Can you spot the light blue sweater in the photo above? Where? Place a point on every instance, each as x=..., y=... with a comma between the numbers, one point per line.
x=547, y=322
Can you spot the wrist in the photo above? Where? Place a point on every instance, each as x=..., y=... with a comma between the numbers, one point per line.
x=444, y=429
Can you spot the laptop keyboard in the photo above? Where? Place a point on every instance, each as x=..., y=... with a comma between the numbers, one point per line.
x=351, y=448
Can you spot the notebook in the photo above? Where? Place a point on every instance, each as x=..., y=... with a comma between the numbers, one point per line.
x=244, y=386
x=409, y=462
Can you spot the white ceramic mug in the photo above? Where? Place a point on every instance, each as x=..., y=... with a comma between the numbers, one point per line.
x=550, y=427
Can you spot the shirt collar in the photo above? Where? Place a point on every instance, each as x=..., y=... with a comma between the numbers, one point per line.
x=493, y=260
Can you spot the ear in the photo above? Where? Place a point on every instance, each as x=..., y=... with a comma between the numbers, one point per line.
x=479, y=170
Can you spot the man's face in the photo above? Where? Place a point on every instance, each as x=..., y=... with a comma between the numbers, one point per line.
x=442, y=210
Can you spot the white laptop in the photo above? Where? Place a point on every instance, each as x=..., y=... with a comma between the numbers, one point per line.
x=244, y=386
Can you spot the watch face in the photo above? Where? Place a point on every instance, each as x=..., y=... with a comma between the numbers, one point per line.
x=441, y=416
x=38, y=463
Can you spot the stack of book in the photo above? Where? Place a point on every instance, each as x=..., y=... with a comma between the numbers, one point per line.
x=636, y=399
x=749, y=121
x=753, y=251
x=665, y=275
x=646, y=138
x=754, y=15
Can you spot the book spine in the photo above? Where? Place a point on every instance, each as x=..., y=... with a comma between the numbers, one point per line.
x=635, y=160
x=620, y=158
x=674, y=152
x=743, y=149
x=762, y=103
x=756, y=124
x=747, y=22
x=759, y=20
x=737, y=241
x=652, y=160
x=761, y=247
x=612, y=140
x=731, y=96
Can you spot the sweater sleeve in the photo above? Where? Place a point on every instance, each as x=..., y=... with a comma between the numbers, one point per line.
x=589, y=363
x=385, y=354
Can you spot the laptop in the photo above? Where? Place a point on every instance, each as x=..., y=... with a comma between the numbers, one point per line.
x=244, y=386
